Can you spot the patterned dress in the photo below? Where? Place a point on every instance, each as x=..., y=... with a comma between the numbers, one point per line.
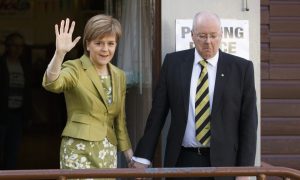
x=81, y=154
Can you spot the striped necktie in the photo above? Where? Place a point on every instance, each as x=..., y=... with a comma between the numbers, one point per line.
x=202, y=107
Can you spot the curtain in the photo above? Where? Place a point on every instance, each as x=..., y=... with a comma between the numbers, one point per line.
x=134, y=53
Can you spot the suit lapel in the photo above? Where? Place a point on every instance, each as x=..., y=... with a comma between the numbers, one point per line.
x=186, y=69
x=92, y=74
x=221, y=78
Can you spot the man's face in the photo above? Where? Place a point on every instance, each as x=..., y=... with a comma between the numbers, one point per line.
x=207, y=36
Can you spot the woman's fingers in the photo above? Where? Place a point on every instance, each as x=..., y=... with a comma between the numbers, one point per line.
x=64, y=34
x=76, y=40
x=61, y=30
x=56, y=30
x=72, y=27
x=66, y=29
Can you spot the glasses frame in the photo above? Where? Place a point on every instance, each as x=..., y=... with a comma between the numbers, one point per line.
x=204, y=37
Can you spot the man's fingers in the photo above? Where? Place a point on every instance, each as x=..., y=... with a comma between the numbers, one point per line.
x=139, y=165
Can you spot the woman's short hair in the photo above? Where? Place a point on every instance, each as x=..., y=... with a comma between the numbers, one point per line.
x=100, y=26
x=11, y=37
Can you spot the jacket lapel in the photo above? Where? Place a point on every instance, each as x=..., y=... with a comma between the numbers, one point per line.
x=221, y=78
x=92, y=74
x=186, y=74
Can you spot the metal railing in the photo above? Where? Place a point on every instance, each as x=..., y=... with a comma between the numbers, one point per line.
x=62, y=174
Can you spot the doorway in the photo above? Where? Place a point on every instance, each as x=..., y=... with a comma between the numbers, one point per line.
x=35, y=20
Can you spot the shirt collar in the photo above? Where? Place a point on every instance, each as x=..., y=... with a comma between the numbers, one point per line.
x=212, y=61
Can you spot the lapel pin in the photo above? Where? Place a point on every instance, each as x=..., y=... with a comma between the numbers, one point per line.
x=222, y=75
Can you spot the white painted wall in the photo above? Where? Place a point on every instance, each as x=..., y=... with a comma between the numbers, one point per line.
x=226, y=9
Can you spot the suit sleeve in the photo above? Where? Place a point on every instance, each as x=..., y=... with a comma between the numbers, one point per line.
x=157, y=117
x=121, y=128
x=248, y=121
x=67, y=78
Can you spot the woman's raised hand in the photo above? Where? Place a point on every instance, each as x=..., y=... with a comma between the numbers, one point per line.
x=64, y=34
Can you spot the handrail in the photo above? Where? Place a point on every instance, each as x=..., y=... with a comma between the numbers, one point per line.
x=63, y=174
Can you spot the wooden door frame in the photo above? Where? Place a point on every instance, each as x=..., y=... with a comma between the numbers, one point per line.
x=156, y=66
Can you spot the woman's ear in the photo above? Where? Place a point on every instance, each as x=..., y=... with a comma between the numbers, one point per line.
x=87, y=45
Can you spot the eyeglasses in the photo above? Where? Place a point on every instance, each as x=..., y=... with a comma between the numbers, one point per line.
x=204, y=37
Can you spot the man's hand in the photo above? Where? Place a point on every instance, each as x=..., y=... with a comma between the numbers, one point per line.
x=242, y=178
x=134, y=164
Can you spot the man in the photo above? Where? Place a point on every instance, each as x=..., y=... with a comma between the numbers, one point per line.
x=227, y=110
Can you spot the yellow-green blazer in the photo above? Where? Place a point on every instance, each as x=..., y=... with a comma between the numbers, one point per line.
x=89, y=116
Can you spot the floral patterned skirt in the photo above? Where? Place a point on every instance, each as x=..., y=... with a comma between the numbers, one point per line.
x=82, y=154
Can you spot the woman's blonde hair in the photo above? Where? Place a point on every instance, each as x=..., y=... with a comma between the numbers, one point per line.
x=100, y=26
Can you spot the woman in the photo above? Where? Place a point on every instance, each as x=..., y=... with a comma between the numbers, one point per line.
x=14, y=98
x=94, y=91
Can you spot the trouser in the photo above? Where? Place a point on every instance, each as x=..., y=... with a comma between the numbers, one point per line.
x=11, y=135
x=193, y=157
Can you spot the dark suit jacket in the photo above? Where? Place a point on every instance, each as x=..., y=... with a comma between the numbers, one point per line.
x=233, y=117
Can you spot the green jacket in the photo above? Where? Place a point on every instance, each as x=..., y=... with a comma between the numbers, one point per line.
x=89, y=116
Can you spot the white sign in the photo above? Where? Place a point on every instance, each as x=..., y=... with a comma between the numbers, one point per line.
x=235, y=36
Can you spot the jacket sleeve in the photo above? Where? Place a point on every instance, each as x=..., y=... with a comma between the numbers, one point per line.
x=248, y=121
x=67, y=79
x=121, y=128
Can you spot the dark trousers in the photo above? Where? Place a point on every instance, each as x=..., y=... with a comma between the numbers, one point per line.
x=190, y=157
x=10, y=140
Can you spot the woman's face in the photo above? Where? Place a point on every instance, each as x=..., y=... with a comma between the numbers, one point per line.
x=102, y=50
x=15, y=47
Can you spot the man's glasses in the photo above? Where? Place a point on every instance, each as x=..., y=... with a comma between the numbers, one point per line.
x=204, y=37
